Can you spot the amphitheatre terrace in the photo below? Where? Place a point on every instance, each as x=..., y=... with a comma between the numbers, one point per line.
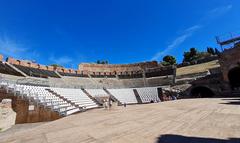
x=119, y=71
x=140, y=102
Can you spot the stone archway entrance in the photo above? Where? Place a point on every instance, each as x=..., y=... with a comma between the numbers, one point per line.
x=201, y=92
x=234, y=77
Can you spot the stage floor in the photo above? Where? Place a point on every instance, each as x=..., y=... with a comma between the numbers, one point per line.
x=180, y=121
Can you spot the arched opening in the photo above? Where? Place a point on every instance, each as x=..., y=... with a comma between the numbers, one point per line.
x=18, y=62
x=201, y=92
x=29, y=64
x=234, y=77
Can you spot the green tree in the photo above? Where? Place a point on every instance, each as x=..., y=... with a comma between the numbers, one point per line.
x=216, y=51
x=190, y=55
x=169, y=60
x=56, y=65
x=187, y=57
x=193, y=52
x=211, y=51
x=102, y=62
x=98, y=62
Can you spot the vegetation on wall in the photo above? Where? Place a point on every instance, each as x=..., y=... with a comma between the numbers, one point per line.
x=193, y=55
x=168, y=60
x=212, y=51
x=102, y=62
x=56, y=65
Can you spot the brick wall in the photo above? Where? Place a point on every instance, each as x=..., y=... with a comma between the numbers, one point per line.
x=24, y=115
x=229, y=59
x=1, y=58
x=42, y=67
x=112, y=68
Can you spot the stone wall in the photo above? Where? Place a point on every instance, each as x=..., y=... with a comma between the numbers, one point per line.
x=1, y=57
x=27, y=63
x=116, y=68
x=229, y=59
x=65, y=70
x=31, y=64
x=7, y=115
x=92, y=69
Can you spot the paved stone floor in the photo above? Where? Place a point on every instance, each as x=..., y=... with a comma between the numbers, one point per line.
x=182, y=121
x=21, y=127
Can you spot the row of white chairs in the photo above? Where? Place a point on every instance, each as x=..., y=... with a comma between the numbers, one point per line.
x=76, y=96
x=44, y=97
x=97, y=92
x=148, y=94
x=124, y=95
x=79, y=100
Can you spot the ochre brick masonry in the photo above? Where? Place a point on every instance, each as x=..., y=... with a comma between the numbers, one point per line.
x=24, y=115
x=229, y=59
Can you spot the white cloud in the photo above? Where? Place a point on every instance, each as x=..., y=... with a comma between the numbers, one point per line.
x=193, y=28
x=61, y=60
x=220, y=10
x=214, y=13
x=11, y=48
x=178, y=41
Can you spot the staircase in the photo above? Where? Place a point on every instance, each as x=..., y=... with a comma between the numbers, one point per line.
x=98, y=85
x=90, y=96
x=117, y=76
x=64, y=99
x=160, y=94
x=112, y=97
x=144, y=78
x=137, y=96
x=16, y=69
x=58, y=74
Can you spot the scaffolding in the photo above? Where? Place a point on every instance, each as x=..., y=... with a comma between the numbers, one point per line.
x=228, y=40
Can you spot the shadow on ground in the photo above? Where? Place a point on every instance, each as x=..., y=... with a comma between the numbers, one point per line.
x=231, y=101
x=169, y=138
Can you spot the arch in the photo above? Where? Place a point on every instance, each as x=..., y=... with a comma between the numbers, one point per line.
x=201, y=92
x=18, y=62
x=234, y=77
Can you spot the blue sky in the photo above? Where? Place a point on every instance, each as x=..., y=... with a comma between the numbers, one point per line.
x=69, y=32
